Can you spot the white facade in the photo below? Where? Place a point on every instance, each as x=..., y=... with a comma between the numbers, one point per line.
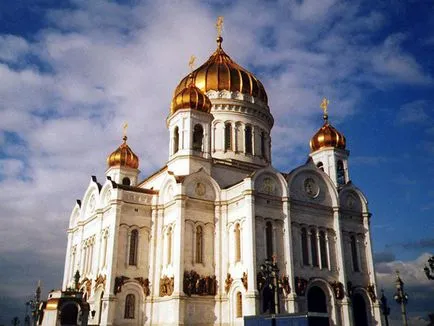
x=184, y=246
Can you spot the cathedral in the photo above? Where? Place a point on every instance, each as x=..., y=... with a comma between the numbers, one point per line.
x=185, y=245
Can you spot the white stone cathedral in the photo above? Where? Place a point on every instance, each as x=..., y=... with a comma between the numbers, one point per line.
x=184, y=246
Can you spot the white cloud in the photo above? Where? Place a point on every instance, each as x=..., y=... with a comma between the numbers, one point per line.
x=12, y=48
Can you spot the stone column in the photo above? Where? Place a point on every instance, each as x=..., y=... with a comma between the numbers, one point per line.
x=249, y=251
x=66, y=270
x=345, y=305
x=288, y=264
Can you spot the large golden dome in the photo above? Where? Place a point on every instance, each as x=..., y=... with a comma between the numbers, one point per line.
x=220, y=72
x=327, y=136
x=190, y=97
x=123, y=156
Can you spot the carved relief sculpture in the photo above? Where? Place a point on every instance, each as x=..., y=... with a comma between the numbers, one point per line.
x=228, y=282
x=166, y=286
x=284, y=284
x=371, y=291
x=199, y=285
x=100, y=280
x=244, y=280
x=300, y=286
x=144, y=282
x=338, y=289
x=119, y=282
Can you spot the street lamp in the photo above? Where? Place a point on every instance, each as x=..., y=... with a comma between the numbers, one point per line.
x=401, y=297
x=429, y=271
x=384, y=307
x=270, y=274
x=34, y=304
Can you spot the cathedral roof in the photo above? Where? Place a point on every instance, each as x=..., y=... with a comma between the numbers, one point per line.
x=327, y=135
x=220, y=72
x=123, y=156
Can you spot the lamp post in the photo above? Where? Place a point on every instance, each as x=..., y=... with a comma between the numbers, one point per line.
x=384, y=307
x=270, y=274
x=401, y=297
x=429, y=271
x=34, y=304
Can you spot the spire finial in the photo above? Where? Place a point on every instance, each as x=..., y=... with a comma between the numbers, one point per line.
x=219, y=25
x=125, y=127
x=324, y=106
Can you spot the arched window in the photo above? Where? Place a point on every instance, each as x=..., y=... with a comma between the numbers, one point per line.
x=269, y=239
x=130, y=303
x=197, y=138
x=175, y=140
x=239, y=310
x=320, y=166
x=340, y=173
x=248, y=139
x=354, y=254
x=169, y=245
x=134, y=239
x=314, y=248
x=304, y=247
x=199, y=244
x=126, y=181
x=263, y=144
x=228, y=136
x=237, y=243
x=323, y=250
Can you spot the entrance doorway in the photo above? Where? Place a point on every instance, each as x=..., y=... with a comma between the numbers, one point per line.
x=317, y=306
x=69, y=314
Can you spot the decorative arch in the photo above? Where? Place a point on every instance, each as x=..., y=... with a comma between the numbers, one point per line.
x=361, y=305
x=259, y=180
x=69, y=313
x=351, y=190
x=199, y=184
x=130, y=288
x=168, y=189
x=329, y=296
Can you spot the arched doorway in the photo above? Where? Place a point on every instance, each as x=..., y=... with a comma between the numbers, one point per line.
x=69, y=314
x=359, y=310
x=317, y=304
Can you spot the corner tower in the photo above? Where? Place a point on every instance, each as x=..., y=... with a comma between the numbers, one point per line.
x=328, y=150
x=242, y=121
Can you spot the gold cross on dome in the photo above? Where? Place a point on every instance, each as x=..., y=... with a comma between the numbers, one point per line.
x=125, y=127
x=219, y=26
x=324, y=105
x=191, y=63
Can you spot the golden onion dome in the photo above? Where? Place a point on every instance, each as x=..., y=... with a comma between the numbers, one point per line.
x=123, y=156
x=190, y=97
x=220, y=72
x=327, y=136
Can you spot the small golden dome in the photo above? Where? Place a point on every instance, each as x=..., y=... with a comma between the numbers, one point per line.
x=220, y=72
x=190, y=97
x=327, y=136
x=123, y=156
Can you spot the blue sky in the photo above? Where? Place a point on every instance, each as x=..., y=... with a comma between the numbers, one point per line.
x=73, y=71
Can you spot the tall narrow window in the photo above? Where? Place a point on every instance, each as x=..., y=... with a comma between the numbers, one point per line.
x=269, y=239
x=248, y=139
x=340, y=173
x=199, y=244
x=134, y=239
x=228, y=136
x=175, y=140
x=130, y=305
x=239, y=312
x=237, y=243
x=169, y=245
x=263, y=144
x=323, y=249
x=104, y=251
x=314, y=248
x=304, y=247
x=320, y=166
x=354, y=254
x=197, y=138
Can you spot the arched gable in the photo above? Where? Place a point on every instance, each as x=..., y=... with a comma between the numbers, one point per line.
x=351, y=198
x=168, y=189
x=270, y=181
x=75, y=215
x=308, y=183
x=106, y=194
x=91, y=200
x=202, y=186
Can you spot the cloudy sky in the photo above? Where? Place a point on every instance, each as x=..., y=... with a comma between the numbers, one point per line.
x=71, y=72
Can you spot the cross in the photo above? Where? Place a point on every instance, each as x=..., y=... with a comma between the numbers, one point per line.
x=191, y=62
x=324, y=105
x=125, y=129
x=219, y=26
